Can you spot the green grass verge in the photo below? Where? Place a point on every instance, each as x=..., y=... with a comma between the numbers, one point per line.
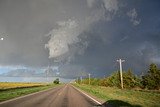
x=128, y=98
x=16, y=92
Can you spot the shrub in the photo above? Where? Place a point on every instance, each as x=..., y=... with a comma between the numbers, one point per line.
x=152, y=79
x=130, y=80
x=113, y=80
x=56, y=81
x=95, y=81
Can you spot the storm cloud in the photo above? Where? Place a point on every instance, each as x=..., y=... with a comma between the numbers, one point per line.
x=87, y=35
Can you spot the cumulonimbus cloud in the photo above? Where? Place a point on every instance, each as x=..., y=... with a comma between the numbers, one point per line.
x=65, y=40
x=62, y=39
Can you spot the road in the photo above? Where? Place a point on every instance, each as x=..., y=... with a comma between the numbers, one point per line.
x=61, y=96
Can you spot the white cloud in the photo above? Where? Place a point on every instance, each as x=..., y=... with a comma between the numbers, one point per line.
x=149, y=53
x=63, y=43
x=124, y=38
x=133, y=17
x=102, y=10
x=62, y=37
x=111, y=5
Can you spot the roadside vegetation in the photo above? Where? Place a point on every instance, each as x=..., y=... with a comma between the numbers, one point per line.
x=9, y=90
x=126, y=98
x=138, y=91
x=148, y=81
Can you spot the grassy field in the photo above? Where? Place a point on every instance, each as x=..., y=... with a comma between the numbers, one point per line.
x=12, y=90
x=127, y=98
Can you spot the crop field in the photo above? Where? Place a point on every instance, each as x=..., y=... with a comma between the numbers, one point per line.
x=9, y=90
x=8, y=85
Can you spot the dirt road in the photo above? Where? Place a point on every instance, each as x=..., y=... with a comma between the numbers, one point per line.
x=61, y=96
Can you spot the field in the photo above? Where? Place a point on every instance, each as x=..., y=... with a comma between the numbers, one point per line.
x=10, y=90
x=117, y=97
x=8, y=85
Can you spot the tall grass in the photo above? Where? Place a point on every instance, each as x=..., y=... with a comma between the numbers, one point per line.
x=116, y=95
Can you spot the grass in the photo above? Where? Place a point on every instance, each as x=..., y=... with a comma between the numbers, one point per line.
x=126, y=97
x=8, y=92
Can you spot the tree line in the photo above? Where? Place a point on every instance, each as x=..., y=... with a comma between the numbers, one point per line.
x=150, y=80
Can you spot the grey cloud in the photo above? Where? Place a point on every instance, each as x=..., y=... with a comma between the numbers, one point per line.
x=72, y=71
x=26, y=23
x=111, y=5
x=90, y=2
x=149, y=52
x=133, y=17
x=88, y=35
x=64, y=40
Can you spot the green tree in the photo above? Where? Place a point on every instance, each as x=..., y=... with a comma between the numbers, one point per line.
x=152, y=79
x=113, y=80
x=56, y=81
x=95, y=81
x=103, y=82
x=130, y=80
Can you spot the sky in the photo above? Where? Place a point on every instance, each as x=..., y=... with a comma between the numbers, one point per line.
x=80, y=35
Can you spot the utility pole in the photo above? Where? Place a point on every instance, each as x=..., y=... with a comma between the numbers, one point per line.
x=120, y=67
x=77, y=79
x=89, y=79
x=81, y=80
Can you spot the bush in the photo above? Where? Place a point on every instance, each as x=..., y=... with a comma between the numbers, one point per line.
x=56, y=81
x=95, y=81
x=113, y=80
x=129, y=80
x=152, y=79
x=103, y=82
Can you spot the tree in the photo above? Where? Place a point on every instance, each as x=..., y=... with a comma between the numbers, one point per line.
x=95, y=81
x=113, y=80
x=152, y=79
x=56, y=81
x=130, y=80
